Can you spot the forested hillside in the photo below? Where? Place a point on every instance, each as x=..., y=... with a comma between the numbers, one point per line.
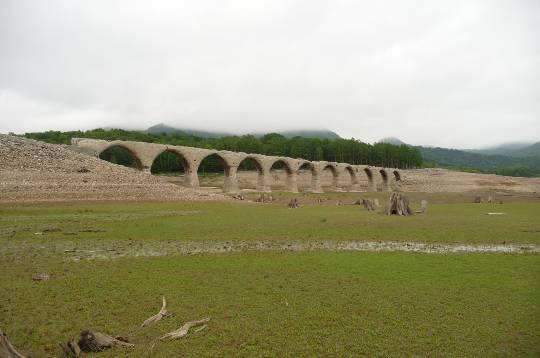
x=511, y=150
x=497, y=164
x=340, y=150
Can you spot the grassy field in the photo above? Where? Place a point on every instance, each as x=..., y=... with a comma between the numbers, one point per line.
x=272, y=303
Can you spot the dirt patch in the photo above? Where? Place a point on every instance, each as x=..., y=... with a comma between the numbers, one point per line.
x=435, y=180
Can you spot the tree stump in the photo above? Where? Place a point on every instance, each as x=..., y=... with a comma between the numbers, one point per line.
x=423, y=207
x=97, y=342
x=369, y=204
x=398, y=205
x=293, y=204
x=264, y=198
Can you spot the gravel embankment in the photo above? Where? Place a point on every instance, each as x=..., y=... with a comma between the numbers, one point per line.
x=35, y=171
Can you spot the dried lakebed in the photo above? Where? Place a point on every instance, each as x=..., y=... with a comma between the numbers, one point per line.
x=73, y=250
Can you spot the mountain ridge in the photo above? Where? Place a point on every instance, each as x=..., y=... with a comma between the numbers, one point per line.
x=306, y=133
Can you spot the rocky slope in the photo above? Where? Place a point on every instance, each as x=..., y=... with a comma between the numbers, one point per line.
x=37, y=171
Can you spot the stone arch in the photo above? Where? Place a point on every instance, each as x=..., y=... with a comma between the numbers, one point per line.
x=182, y=171
x=218, y=162
x=335, y=174
x=277, y=177
x=258, y=167
x=103, y=154
x=385, y=181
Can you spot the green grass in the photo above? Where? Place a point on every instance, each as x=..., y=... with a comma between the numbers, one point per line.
x=166, y=222
x=286, y=304
x=273, y=303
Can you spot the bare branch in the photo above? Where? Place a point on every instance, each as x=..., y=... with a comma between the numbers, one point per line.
x=162, y=313
x=183, y=331
x=6, y=348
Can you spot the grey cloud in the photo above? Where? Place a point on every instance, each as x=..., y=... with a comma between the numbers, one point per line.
x=460, y=74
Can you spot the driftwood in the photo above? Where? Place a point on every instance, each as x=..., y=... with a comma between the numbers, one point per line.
x=71, y=349
x=183, y=331
x=238, y=197
x=158, y=316
x=423, y=207
x=97, y=341
x=294, y=204
x=41, y=277
x=6, y=348
x=398, y=205
x=369, y=204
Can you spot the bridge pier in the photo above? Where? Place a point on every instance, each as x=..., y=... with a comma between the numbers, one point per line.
x=191, y=179
x=264, y=180
x=292, y=182
x=231, y=180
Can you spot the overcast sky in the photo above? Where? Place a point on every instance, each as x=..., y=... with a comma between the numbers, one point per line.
x=461, y=74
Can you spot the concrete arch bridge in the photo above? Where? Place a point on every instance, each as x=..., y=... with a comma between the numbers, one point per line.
x=359, y=177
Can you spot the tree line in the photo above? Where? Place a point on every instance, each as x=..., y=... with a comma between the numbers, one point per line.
x=314, y=149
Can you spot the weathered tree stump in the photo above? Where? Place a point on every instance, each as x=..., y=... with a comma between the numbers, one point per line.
x=6, y=348
x=368, y=204
x=97, y=341
x=423, y=207
x=294, y=204
x=398, y=205
x=265, y=198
